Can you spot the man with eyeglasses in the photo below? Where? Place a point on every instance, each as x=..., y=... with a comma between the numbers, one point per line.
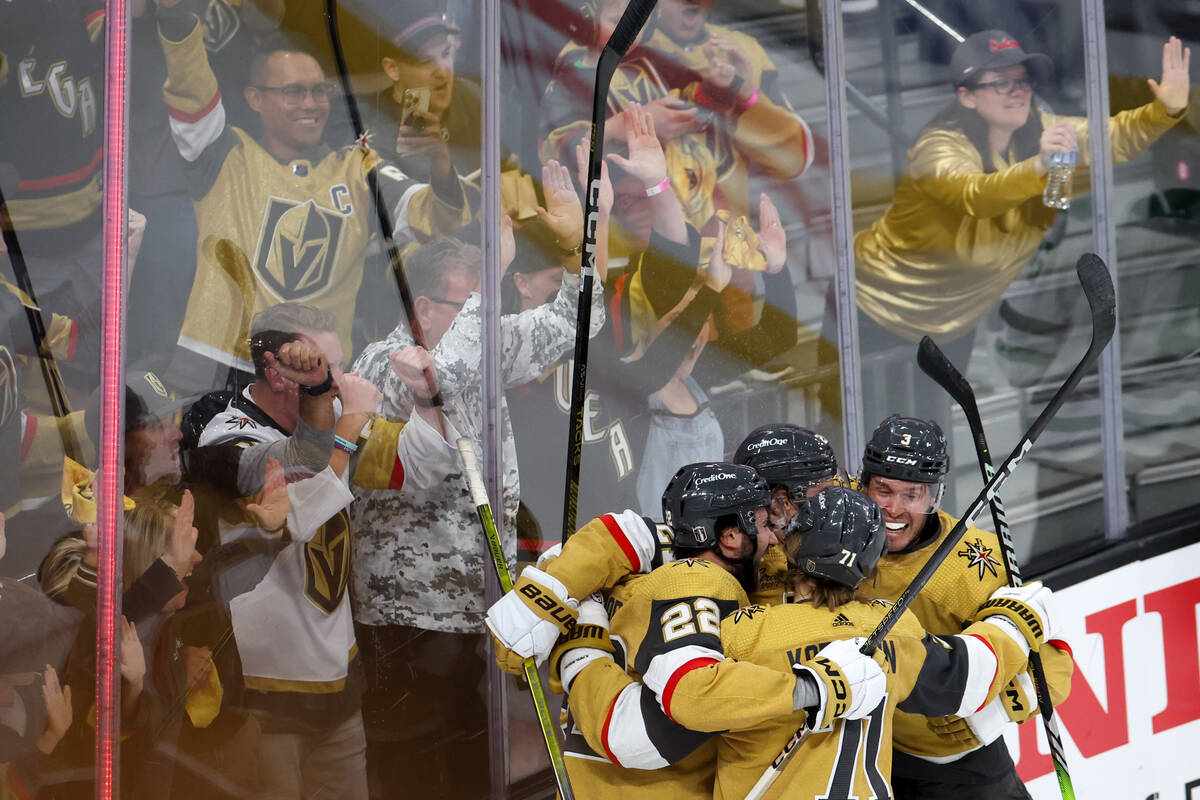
x=282, y=217
x=904, y=471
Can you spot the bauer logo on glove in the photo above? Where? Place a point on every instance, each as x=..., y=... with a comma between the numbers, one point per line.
x=1023, y=611
x=550, y=604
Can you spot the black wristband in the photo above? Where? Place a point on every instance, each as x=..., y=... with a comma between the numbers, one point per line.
x=320, y=388
x=432, y=402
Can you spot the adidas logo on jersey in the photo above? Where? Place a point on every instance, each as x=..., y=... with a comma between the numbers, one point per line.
x=842, y=621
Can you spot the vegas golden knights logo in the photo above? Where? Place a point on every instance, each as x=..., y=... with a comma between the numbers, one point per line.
x=327, y=563
x=221, y=23
x=298, y=248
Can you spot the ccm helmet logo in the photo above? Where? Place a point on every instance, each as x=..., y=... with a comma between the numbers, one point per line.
x=721, y=476
x=908, y=462
x=766, y=443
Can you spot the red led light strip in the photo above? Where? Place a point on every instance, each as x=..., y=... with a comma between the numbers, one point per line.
x=112, y=400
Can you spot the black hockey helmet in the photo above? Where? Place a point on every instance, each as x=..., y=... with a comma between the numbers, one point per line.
x=789, y=456
x=700, y=494
x=907, y=449
x=838, y=535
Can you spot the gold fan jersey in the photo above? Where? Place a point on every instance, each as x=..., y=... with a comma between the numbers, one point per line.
x=270, y=231
x=944, y=607
x=619, y=738
x=955, y=237
x=51, y=131
x=768, y=137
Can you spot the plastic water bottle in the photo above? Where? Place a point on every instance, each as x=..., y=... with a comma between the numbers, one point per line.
x=1058, y=181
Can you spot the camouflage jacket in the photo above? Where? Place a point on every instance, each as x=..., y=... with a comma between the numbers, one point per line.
x=420, y=559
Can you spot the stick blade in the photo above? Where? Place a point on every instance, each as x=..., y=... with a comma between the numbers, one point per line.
x=1101, y=296
x=934, y=363
x=635, y=16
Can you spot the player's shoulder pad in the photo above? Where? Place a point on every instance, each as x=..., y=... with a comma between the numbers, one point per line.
x=637, y=536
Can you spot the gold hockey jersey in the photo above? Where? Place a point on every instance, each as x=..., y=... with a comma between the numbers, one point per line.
x=269, y=231
x=850, y=758
x=944, y=607
x=609, y=549
x=620, y=739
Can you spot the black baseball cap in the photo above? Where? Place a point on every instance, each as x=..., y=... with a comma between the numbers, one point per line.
x=995, y=49
x=411, y=23
x=147, y=399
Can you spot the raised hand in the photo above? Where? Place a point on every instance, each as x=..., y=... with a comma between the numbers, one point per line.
x=1058, y=138
x=604, y=202
x=58, y=704
x=728, y=61
x=508, y=243
x=563, y=213
x=646, y=160
x=1172, y=90
x=133, y=660
x=674, y=117
x=359, y=395
x=272, y=509
x=413, y=365
x=181, y=553
x=424, y=136
x=771, y=235
x=301, y=362
x=719, y=272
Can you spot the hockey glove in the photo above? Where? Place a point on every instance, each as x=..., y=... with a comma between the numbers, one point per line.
x=527, y=621
x=586, y=642
x=1025, y=609
x=1017, y=703
x=553, y=551
x=848, y=684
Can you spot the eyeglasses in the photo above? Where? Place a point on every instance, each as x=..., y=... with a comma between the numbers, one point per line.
x=294, y=93
x=1009, y=85
x=457, y=304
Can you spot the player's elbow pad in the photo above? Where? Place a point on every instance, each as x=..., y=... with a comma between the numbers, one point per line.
x=981, y=668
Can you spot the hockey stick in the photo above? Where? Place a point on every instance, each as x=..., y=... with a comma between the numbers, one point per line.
x=59, y=404
x=1101, y=297
x=466, y=448
x=627, y=29
x=936, y=365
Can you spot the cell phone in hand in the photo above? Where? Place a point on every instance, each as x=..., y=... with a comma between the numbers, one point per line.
x=414, y=100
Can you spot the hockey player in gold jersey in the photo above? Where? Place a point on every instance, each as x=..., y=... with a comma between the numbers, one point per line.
x=794, y=461
x=786, y=665
x=666, y=624
x=904, y=467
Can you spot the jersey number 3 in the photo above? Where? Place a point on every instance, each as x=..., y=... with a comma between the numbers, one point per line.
x=687, y=619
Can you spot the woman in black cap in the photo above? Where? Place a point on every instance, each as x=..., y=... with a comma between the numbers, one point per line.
x=968, y=214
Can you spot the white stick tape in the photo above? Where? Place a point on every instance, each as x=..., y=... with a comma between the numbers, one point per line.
x=466, y=448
